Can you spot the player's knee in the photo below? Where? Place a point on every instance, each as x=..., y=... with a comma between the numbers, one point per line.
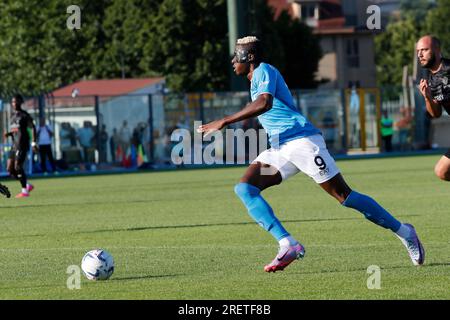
x=244, y=190
x=340, y=196
x=351, y=200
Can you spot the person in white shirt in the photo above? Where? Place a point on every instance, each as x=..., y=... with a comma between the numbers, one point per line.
x=45, y=134
x=125, y=137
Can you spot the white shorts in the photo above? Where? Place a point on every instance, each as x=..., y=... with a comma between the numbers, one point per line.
x=309, y=155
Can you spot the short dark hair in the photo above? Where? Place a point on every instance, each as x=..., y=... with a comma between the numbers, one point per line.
x=18, y=98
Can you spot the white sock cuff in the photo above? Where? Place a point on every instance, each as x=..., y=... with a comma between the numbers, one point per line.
x=287, y=241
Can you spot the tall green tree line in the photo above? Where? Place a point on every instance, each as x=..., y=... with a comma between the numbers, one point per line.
x=185, y=41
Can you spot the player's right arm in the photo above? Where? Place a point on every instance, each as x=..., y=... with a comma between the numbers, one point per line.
x=262, y=104
x=433, y=107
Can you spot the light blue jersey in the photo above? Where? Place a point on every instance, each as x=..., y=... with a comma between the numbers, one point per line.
x=283, y=118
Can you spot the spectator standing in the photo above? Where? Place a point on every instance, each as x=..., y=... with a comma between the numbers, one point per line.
x=114, y=141
x=44, y=137
x=85, y=136
x=103, y=144
x=125, y=137
x=387, y=131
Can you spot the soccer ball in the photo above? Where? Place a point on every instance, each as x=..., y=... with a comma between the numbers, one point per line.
x=97, y=264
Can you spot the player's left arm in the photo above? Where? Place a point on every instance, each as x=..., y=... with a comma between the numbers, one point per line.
x=262, y=104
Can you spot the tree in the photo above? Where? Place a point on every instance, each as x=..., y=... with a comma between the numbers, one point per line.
x=37, y=51
x=395, y=49
x=437, y=23
x=187, y=43
x=289, y=45
x=125, y=26
x=183, y=40
x=417, y=9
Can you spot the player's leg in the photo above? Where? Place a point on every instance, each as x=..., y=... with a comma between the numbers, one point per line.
x=249, y=191
x=442, y=168
x=4, y=191
x=10, y=166
x=312, y=157
x=20, y=173
x=261, y=175
x=320, y=166
x=338, y=188
x=375, y=213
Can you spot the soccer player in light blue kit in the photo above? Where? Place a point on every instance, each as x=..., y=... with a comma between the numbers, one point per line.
x=296, y=146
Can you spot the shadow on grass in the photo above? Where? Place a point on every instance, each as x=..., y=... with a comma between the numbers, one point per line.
x=78, y=204
x=147, y=277
x=351, y=270
x=111, y=279
x=406, y=266
x=199, y=226
x=222, y=224
x=436, y=264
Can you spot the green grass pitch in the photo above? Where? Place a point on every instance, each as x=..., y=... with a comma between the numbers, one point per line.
x=185, y=235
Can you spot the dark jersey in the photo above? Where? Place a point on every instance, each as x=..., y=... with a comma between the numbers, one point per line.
x=20, y=122
x=439, y=84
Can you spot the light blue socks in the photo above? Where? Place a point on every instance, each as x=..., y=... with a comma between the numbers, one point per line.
x=372, y=210
x=263, y=214
x=260, y=210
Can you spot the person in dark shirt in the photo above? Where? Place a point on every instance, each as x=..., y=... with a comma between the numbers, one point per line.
x=19, y=123
x=387, y=130
x=435, y=89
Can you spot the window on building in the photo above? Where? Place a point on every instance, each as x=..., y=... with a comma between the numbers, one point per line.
x=353, y=53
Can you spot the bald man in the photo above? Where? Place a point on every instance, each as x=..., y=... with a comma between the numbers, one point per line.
x=435, y=89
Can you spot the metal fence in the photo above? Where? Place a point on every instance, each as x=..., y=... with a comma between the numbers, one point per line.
x=134, y=131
